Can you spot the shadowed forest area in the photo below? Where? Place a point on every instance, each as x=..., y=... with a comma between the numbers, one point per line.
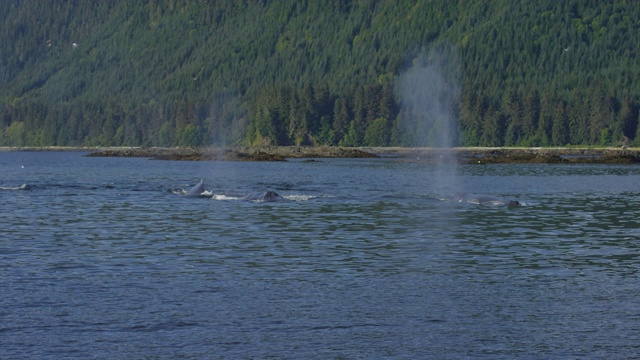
x=200, y=73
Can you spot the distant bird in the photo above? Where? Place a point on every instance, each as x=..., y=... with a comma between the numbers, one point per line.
x=75, y=45
x=49, y=42
x=567, y=48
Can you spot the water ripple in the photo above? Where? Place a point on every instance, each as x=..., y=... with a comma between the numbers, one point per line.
x=102, y=261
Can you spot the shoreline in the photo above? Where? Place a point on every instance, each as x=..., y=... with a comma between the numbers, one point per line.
x=463, y=155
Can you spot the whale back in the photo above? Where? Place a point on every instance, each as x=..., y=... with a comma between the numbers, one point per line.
x=484, y=200
x=269, y=196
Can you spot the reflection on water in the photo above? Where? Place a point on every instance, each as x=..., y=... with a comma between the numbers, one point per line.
x=101, y=260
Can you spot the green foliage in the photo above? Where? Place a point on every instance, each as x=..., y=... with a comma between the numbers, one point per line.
x=190, y=73
x=377, y=134
x=14, y=135
x=190, y=135
x=351, y=138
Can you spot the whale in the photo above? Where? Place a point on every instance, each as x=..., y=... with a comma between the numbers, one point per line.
x=488, y=200
x=197, y=190
x=269, y=196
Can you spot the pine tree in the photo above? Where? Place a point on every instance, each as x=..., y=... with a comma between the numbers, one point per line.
x=560, y=126
x=341, y=118
x=628, y=118
x=513, y=114
x=599, y=113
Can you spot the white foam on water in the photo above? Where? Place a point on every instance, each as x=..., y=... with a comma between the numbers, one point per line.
x=223, y=197
x=21, y=187
x=299, y=197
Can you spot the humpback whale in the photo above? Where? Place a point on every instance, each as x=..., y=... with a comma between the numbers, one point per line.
x=269, y=196
x=484, y=200
x=197, y=190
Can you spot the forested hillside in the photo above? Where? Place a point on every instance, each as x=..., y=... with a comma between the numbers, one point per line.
x=378, y=73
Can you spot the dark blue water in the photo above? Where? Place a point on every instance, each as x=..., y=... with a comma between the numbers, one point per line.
x=100, y=259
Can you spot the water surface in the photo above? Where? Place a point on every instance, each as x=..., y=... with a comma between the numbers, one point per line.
x=100, y=259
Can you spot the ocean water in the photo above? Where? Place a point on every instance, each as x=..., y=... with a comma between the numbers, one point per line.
x=104, y=258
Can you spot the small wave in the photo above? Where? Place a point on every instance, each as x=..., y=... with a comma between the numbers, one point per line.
x=178, y=191
x=299, y=197
x=481, y=200
x=226, y=197
x=223, y=197
x=21, y=187
x=204, y=194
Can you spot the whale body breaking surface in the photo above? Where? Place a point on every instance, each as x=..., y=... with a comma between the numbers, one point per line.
x=199, y=190
x=476, y=199
x=269, y=196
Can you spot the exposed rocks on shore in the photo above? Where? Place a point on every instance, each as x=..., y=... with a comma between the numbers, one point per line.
x=554, y=159
x=466, y=155
x=273, y=153
x=519, y=155
x=461, y=155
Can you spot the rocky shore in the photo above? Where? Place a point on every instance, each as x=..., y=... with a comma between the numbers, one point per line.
x=467, y=155
x=462, y=155
x=498, y=155
x=270, y=153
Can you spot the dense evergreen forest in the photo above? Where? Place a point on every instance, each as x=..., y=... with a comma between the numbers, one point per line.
x=334, y=72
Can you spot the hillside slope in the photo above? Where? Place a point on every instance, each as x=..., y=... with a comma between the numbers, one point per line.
x=171, y=72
